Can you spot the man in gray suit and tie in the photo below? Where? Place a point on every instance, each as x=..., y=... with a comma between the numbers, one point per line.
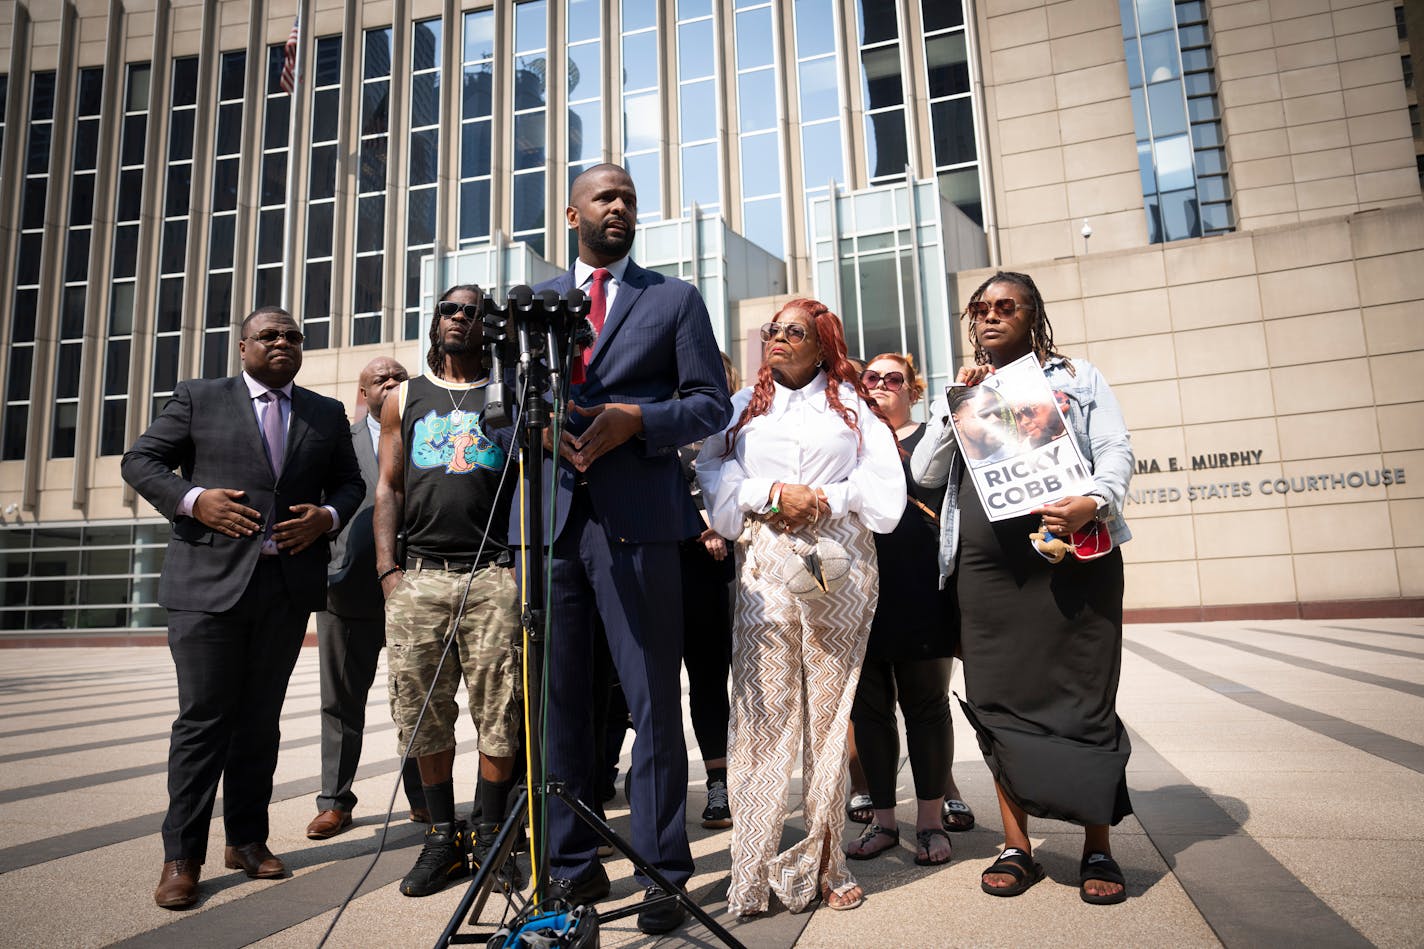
x=352, y=629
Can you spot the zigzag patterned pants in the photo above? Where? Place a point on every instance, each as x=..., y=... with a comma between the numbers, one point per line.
x=795, y=665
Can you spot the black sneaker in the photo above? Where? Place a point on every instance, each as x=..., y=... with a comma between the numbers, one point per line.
x=441, y=860
x=509, y=875
x=718, y=812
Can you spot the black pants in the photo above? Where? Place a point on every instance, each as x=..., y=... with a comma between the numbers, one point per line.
x=921, y=686
x=232, y=670
x=348, y=650
x=707, y=645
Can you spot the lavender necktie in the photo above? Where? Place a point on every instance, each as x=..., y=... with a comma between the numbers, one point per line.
x=272, y=431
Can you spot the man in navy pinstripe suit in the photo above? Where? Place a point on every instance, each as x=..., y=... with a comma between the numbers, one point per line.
x=653, y=381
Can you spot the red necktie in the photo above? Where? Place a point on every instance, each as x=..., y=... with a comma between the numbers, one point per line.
x=597, y=309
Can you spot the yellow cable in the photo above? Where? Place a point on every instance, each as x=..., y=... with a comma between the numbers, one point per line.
x=528, y=759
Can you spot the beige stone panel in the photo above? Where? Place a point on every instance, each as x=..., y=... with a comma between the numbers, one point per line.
x=1211, y=258
x=1157, y=444
x=1251, y=146
x=1207, y=400
x=1311, y=80
x=1321, y=107
x=1394, y=328
x=1308, y=215
x=1396, y=183
x=56, y=504
x=1410, y=561
x=1391, y=279
x=104, y=473
x=1163, y=583
x=1097, y=48
x=1303, y=247
x=1039, y=241
x=1314, y=166
x=1229, y=534
x=108, y=503
x=1020, y=63
x=1257, y=202
x=1370, y=16
x=1245, y=65
x=1098, y=120
x=1029, y=97
x=1411, y=463
x=1215, y=302
x=1057, y=280
x=1236, y=15
x=1246, y=580
x=1027, y=134
x=1367, y=100
x=1079, y=16
x=1323, y=386
x=1221, y=349
x=1262, y=173
x=1148, y=404
x=1368, y=43
x=1036, y=205
x=1381, y=127
x=1387, y=232
x=1328, y=490
x=1067, y=319
x=1117, y=273
x=1091, y=84
x=1407, y=519
x=1249, y=91
x=1305, y=55
x=1258, y=221
x=1018, y=29
x=1032, y=169
x=1115, y=315
x=1245, y=40
x=1327, y=434
x=1121, y=230
x=1397, y=378
x=1346, y=575
x=1103, y=157
x=1320, y=337
x=1161, y=538
x=1201, y=442
x=1318, y=136
x=1096, y=196
x=1371, y=71
x=1302, y=29
x=1245, y=119
x=998, y=7
x=1383, y=156
x=1326, y=192
x=1134, y=359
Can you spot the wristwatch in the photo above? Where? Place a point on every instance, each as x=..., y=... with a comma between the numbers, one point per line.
x=1102, y=503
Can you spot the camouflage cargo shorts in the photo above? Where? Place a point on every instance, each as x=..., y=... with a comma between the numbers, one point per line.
x=419, y=614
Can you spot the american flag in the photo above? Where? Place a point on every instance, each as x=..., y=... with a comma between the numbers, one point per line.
x=288, y=82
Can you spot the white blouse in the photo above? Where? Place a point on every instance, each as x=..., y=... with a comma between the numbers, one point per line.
x=803, y=440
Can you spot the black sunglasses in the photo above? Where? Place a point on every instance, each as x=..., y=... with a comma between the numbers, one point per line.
x=794, y=332
x=894, y=381
x=450, y=308
x=1005, y=307
x=268, y=337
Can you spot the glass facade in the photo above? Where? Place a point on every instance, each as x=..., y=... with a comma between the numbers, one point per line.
x=324, y=77
x=882, y=89
x=423, y=167
x=217, y=305
x=173, y=243
x=956, y=152
x=697, y=110
x=476, y=119
x=272, y=189
x=819, y=96
x=531, y=119
x=1180, y=148
x=585, y=65
x=758, y=124
x=368, y=275
x=84, y=577
x=642, y=104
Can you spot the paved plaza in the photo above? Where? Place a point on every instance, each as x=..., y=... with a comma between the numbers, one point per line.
x=1277, y=775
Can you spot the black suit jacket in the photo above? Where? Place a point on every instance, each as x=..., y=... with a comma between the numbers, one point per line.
x=352, y=588
x=209, y=432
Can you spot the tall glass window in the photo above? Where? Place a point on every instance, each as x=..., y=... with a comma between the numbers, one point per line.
x=321, y=191
x=79, y=233
x=822, y=160
x=4, y=95
x=530, y=121
x=272, y=198
x=222, y=224
x=35, y=191
x=882, y=89
x=585, y=64
x=956, y=154
x=173, y=243
x=1180, y=149
x=423, y=175
x=642, y=110
x=757, y=95
x=697, y=105
x=96, y=576
x=369, y=285
x=128, y=212
x=476, y=111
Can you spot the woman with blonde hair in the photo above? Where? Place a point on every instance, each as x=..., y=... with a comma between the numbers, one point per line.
x=801, y=478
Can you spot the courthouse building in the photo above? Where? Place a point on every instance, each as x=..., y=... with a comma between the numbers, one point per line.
x=1219, y=198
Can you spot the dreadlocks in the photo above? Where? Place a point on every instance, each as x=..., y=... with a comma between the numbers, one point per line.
x=1041, y=332
x=435, y=355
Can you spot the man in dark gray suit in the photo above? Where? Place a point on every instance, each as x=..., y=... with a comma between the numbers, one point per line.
x=352, y=629
x=266, y=475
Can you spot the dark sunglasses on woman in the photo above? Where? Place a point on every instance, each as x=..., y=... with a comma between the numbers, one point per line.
x=1005, y=308
x=794, y=332
x=894, y=381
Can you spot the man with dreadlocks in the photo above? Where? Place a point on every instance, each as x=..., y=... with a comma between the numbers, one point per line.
x=447, y=484
x=1042, y=642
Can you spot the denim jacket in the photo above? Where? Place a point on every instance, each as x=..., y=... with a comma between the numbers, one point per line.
x=1097, y=425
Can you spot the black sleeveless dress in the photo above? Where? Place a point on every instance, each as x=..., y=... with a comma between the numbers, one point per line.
x=1042, y=648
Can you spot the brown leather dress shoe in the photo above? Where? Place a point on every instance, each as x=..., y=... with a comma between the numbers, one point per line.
x=328, y=824
x=178, y=884
x=256, y=861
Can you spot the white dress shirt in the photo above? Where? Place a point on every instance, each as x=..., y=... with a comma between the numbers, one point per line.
x=803, y=440
x=583, y=279
x=373, y=425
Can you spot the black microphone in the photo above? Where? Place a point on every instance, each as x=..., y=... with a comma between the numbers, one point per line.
x=581, y=334
x=496, y=322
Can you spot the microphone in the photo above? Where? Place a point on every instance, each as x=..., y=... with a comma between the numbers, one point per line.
x=496, y=323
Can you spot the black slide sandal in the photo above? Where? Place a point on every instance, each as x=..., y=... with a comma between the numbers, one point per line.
x=1101, y=866
x=1017, y=864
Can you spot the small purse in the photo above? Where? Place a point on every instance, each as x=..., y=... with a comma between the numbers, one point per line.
x=814, y=569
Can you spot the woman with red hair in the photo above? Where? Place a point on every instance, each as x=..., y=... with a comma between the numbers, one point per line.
x=807, y=460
